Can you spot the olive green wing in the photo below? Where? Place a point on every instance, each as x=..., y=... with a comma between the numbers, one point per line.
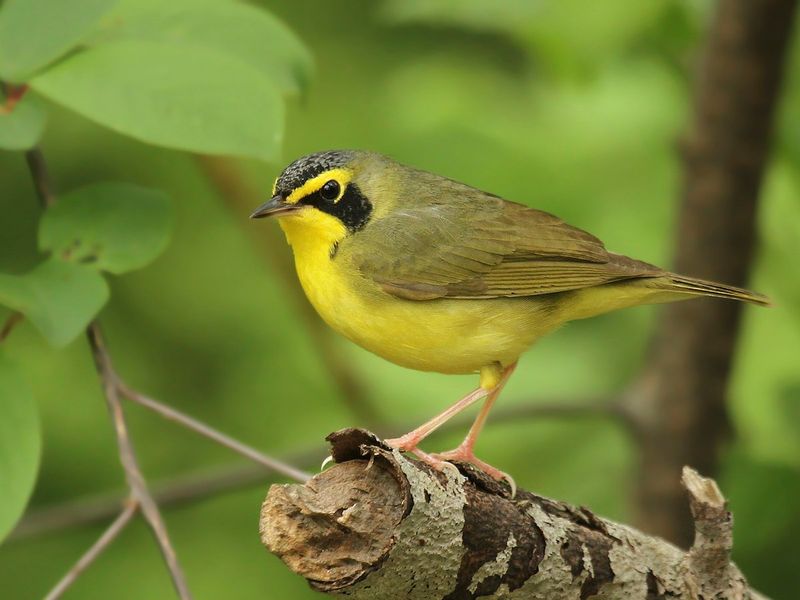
x=484, y=247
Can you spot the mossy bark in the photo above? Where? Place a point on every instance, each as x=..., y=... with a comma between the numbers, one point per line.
x=378, y=525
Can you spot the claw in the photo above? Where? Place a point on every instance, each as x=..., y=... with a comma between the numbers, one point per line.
x=325, y=463
x=429, y=459
x=465, y=454
x=493, y=378
x=404, y=445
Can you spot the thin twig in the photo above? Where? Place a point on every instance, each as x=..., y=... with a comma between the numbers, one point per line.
x=114, y=389
x=12, y=321
x=174, y=491
x=197, y=486
x=211, y=433
x=138, y=488
x=610, y=408
x=109, y=535
x=127, y=455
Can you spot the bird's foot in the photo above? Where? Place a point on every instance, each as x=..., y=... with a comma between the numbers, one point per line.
x=408, y=443
x=465, y=454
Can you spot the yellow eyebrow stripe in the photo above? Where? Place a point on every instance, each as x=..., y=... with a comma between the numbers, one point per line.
x=343, y=176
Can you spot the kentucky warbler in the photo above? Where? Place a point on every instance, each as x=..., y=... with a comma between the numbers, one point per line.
x=435, y=275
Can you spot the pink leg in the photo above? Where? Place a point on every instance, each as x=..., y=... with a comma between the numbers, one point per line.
x=409, y=441
x=465, y=451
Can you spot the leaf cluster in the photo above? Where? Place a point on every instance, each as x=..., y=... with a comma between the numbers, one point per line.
x=194, y=75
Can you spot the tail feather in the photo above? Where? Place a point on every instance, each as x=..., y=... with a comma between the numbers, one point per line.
x=701, y=287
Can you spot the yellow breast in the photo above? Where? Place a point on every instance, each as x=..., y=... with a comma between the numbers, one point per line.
x=448, y=336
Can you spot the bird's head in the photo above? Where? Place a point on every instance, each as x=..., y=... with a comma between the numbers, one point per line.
x=328, y=195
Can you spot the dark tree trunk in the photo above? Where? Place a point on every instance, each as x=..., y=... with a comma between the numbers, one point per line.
x=684, y=385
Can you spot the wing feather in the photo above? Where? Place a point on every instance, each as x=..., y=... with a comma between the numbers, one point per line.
x=481, y=246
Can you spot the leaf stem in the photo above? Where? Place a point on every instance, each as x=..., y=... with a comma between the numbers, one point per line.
x=13, y=94
x=12, y=321
x=41, y=177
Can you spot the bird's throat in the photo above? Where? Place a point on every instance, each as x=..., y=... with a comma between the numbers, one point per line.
x=312, y=234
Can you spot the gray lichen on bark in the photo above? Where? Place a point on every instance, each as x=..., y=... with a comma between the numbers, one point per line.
x=378, y=525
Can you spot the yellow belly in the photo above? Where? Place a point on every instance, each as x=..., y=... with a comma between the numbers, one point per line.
x=446, y=335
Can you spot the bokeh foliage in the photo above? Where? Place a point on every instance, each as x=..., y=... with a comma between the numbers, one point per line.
x=573, y=110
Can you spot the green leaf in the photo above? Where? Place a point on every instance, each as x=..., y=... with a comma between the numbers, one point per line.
x=34, y=33
x=59, y=298
x=20, y=445
x=115, y=227
x=248, y=33
x=23, y=126
x=190, y=98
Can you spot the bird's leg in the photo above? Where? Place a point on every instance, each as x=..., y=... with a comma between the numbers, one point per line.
x=409, y=441
x=465, y=451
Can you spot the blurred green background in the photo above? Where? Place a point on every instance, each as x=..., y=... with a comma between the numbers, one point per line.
x=572, y=107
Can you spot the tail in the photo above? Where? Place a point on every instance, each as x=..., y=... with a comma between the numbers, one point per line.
x=652, y=288
x=682, y=284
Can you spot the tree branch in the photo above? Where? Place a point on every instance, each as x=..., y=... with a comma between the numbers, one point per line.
x=206, y=431
x=100, y=507
x=109, y=535
x=613, y=408
x=683, y=389
x=190, y=488
x=133, y=474
x=114, y=388
x=138, y=488
x=175, y=491
x=378, y=525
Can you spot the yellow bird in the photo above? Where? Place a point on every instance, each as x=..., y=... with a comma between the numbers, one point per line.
x=435, y=275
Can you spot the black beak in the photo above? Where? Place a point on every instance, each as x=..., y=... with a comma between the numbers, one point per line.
x=273, y=207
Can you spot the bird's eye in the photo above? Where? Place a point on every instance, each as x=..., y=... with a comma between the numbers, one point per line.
x=330, y=191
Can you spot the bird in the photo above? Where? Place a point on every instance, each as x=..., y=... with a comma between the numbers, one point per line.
x=435, y=275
